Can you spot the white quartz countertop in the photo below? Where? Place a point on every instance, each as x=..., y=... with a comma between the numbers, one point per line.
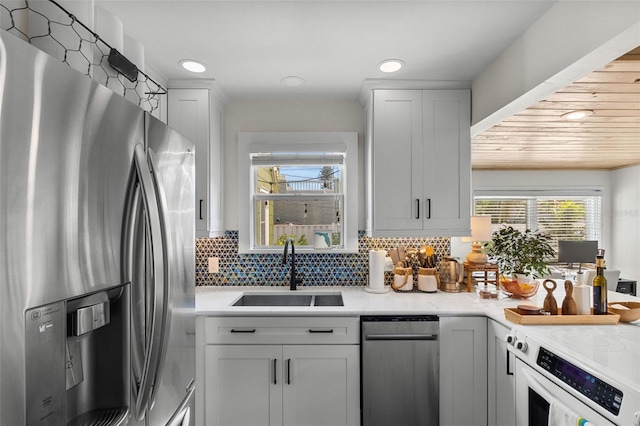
x=217, y=301
x=624, y=338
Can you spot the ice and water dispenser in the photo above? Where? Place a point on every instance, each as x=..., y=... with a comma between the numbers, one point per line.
x=77, y=360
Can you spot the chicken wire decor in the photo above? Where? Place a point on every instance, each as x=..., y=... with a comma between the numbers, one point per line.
x=51, y=28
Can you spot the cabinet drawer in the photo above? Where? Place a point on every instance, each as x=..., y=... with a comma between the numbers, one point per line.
x=282, y=330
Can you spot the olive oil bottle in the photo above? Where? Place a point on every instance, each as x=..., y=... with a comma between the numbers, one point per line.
x=600, y=286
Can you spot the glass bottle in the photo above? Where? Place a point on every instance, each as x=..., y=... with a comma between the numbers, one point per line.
x=600, y=286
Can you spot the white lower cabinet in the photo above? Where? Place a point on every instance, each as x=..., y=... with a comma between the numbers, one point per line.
x=250, y=382
x=463, y=371
x=501, y=381
x=243, y=385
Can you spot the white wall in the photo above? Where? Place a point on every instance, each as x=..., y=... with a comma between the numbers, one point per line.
x=625, y=218
x=320, y=115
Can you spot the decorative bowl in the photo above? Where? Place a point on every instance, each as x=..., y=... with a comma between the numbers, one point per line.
x=513, y=288
x=628, y=311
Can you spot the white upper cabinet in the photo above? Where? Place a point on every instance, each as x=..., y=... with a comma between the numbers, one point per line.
x=419, y=163
x=197, y=113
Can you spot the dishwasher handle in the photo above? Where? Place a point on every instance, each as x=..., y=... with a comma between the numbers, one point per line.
x=401, y=336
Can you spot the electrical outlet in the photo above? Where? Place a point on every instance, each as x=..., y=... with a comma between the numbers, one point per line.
x=213, y=265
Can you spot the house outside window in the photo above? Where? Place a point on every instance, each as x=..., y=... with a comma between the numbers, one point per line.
x=301, y=186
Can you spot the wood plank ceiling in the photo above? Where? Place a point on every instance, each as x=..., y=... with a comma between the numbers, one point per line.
x=539, y=138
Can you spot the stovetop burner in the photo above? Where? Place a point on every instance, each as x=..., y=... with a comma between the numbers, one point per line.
x=599, y=343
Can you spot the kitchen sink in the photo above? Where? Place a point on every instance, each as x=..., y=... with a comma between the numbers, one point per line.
x=328, y=300
x=289, y=299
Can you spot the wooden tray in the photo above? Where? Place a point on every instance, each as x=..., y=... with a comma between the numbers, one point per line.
x=512, y=315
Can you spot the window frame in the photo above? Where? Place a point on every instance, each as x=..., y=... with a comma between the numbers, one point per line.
x=259, y=142
x=537, y=194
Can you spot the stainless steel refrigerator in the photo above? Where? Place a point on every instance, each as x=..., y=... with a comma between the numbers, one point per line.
x=97, y=252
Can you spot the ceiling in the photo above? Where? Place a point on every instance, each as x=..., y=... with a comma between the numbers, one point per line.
x=335, y=46
x=540, y=138
x=249, y=46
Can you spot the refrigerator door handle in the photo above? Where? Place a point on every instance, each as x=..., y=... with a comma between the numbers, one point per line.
x=183, y=413
x=156, y=309
x=161, y=286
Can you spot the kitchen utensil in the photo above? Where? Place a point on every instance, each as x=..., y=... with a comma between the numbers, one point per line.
x=569, y=304
x=402, y=253
x=393, y=254
x=427, y=257
x=550, y=305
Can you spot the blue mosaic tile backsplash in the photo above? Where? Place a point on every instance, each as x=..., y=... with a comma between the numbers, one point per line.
x=319, y=269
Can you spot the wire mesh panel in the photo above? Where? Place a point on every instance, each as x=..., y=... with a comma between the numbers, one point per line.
x=51, y=28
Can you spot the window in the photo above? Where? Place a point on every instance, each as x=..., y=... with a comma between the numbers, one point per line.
x=300, y=186
x=562, y=215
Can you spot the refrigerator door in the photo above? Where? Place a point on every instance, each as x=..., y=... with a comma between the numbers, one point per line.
x=163, y=366
x=173, y=160
x=146, y=260
x=66, y=148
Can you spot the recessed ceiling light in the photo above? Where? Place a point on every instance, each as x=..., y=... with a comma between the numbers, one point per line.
x=390, y=65
x=193, y=66
x=577, y=115
x=292, y=81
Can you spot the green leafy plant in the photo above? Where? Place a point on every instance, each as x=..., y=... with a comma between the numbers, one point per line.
x=520, y=252
x=283, y=238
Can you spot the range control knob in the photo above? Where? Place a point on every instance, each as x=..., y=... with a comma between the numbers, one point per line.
x=522, y=346
x=511, y=338
x=636, y=418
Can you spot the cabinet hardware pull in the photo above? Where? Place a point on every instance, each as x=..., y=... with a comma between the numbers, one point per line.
x=418, y=208
x=509, y=372
x=275, y=371
x=311, y=330
x=406, y=336
x=246, y=330
x=200, y=214
x=289, y=371
x=428, y=208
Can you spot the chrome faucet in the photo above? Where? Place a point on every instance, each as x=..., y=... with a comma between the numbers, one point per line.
x=293, y=280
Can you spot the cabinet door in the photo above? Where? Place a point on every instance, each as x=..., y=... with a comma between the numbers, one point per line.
x=463, y=371
x=501, y=382
x=188, y=113
x=397, y=152
x=321, y=385
x=243, y=385
x=447, y=161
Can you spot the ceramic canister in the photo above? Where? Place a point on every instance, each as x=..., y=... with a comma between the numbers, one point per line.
x=402, y=279
x=427, y=280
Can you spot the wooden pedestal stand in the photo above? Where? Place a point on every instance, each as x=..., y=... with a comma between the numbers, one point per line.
x=490, y=271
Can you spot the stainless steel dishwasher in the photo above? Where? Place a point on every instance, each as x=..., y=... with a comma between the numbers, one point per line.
x=400, y=370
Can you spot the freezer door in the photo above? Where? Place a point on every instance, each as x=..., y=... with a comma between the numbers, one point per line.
x=165, y=364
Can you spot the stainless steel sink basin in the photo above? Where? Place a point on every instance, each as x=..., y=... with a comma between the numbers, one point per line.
x=274, y=300
x=289, y=299
x=328, y=300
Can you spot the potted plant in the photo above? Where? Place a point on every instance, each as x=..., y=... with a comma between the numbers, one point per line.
x=518, y=252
